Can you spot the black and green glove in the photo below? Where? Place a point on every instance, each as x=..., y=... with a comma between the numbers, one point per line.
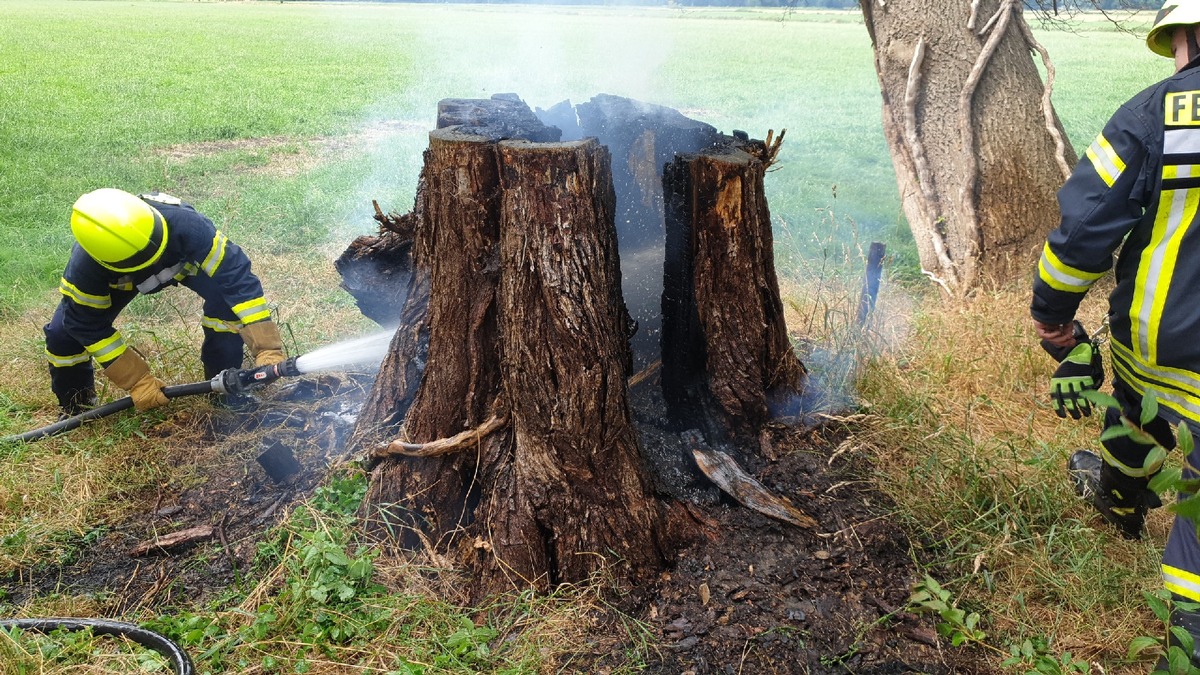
x=1080, y=370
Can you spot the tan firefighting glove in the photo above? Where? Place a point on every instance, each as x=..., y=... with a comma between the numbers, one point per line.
x=265, y=343
x=130, y=372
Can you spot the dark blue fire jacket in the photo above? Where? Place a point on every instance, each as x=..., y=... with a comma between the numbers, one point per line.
x=1137, y=190
x=194, y=246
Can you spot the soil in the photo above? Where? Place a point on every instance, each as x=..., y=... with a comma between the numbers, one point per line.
x=752, y=595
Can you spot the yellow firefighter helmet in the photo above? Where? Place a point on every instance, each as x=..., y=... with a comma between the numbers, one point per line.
x=118, y=230
x=1174, y=13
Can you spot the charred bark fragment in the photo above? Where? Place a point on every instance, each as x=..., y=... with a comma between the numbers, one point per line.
x=501, y=116
x=377, y=269
x=726, y=353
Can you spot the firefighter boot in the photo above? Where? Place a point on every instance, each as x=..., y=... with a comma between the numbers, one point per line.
x=1188, y=620
x=1122, y=500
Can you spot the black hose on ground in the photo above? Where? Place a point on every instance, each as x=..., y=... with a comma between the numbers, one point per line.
x=179, y=660
x=172, y=391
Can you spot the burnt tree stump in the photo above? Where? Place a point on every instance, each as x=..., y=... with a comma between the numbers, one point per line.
x=517, y=253
x=726, y=353
x=518, y=453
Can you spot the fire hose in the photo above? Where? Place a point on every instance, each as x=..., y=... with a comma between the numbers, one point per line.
x=229, y=381
x=180, y=663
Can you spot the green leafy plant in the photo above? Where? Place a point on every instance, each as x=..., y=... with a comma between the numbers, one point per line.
x=1036, y=658
x=956, y=624
x=1174, y=647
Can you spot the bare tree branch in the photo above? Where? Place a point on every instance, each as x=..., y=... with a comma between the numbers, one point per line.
x=912, y=92
x=441, y=446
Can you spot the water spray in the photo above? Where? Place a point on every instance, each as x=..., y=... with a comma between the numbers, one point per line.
x=365, y=351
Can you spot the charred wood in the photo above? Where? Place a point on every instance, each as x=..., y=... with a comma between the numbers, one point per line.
x=727, y=357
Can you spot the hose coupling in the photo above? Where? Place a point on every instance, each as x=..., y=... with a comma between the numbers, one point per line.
x=239, y=380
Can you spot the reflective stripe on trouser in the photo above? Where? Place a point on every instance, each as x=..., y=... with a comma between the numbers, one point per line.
x=1123, y=453
x=73, y=379
x=1181, y=559
x=223, y=347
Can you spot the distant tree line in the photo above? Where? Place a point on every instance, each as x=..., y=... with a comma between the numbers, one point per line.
x=1044, y=6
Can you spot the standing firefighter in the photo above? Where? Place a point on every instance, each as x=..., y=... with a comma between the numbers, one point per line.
x=128, y=245
x=1138, y=190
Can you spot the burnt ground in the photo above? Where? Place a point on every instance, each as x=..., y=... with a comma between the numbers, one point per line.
x=761, y=596
x=752, y=595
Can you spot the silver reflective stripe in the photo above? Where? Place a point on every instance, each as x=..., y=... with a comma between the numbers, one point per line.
x=1152, y=263
x=1181, y=582
x=220, y=325
x=1105, y=159
x=1064, y=278
x=159, y=279
x=1181, y=141
x=67, y=361
x=103, y=353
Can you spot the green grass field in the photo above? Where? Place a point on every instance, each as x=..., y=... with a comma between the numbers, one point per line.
x=93, y=94
x=282, y=121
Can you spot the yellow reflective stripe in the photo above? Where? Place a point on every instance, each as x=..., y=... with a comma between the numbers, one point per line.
x=122, y=286
x=86, y=299
x=213, y=260
x=1153, y=462
x=107, y=349
x=188, y=270
x=66, y=361
x=1181, y=582
x=1186, y=404
x=1156, y=265
x=1187, y=380
x=1106, y=161
x=1063, y=277
x=220, y=325
x=252, y=310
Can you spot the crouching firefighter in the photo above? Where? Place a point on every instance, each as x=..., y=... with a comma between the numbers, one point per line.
x=1137, y=189
x=128, y=245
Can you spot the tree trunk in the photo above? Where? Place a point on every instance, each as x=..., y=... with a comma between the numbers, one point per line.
x=726, y=353
x=454, y=338
x=516, y=256
x=573, y=489
x=978, y=150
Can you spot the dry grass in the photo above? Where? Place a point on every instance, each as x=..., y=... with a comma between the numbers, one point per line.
x=965, y=441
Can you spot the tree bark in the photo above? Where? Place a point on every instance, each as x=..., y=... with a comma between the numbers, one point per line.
x=573, y=489
x=454, y=337
x=979, y=156
x=726, y=352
